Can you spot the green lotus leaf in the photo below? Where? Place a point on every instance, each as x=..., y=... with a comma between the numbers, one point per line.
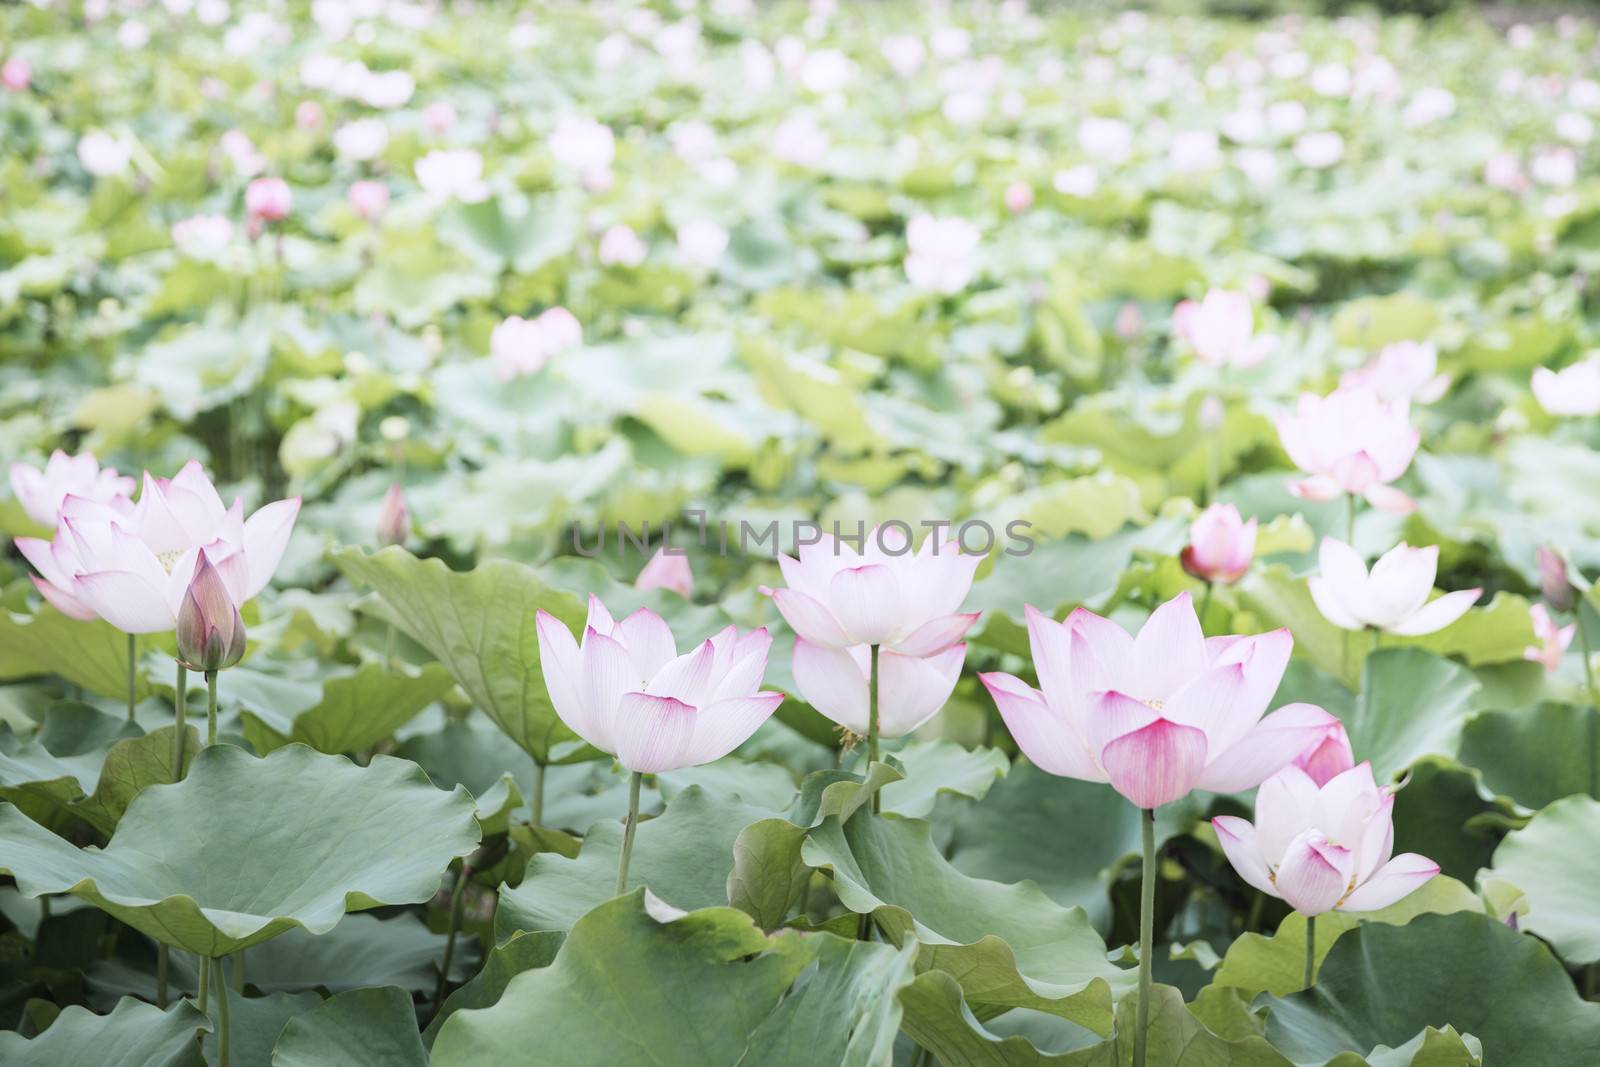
x=1537, y=755
x=1555, y=860
x=254, y=1023
x=479, y=624
x=1468, y=971
x=1010, y=945
x=246, y=848
x=91, y=654
x=640, y=983
x=373, y=1027
x=356, y=710
x=941, y=766
x=135, y=1034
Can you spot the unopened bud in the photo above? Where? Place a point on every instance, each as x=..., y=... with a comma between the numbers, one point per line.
x=394, y=521
x=1554, y=582
x=211, y=634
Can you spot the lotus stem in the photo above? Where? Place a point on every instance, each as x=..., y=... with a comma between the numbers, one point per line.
x=627, y=833
x=1147, y=924
x=1311, y=951
x=222, y=1017
x=163, y=964
x=205, y=982
x=872, y=719
x=1205, y=603
x=211, y=708
x=180, y=706
x=133, y=671
x=238, y=972
x=536, y=802
x=458, y=897
x=1583, y=649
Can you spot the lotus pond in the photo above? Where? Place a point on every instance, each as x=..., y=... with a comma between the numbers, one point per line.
x=718, y=533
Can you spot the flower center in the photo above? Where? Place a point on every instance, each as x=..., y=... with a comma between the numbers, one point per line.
x=169, y=559
x=1155, y=704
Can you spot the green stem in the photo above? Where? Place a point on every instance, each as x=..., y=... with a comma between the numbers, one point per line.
x=205, y=982
x=536, y=802
x=1214, y=460
x=1350, y=519
x=627, y=833
x=872, y=718
x=180, y=707
x=1583, y=647
x=1252, y=921
x=1205, y=602
x=238, y=972
x=1311, y=951
x=222, y=1017
x=458, y=899
x=163, y=964
x=211, y=708
x=1147, y=926
x=133, y=671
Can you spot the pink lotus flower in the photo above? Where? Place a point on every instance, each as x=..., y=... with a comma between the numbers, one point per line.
x=1404, y=372
x=1221, y=545
x=268, y=199
x=1392, y=598
x=17, y=74
x=1019, y=197
x=621, y=247
x=701, y=242
x=520, y=346
x=104, y=155
x=1555, y=584
x=1350, y=441
x=210, y=633
x=394, y=520
x=667, y=571
x=40, y=492
x=308, y=115
x=839, y=602
x=202, y=237
x=626, y=691
x=1328, y=756
x=1573, y=390
x=439, y=117
x=581, y=144
x=1221, y=330
x=132, y=570
x=361, y=140
x=1155, y=715
x=1324, y=848
x=368, y=199
x=1553, y=640
x=453, y=172
x=941, y=253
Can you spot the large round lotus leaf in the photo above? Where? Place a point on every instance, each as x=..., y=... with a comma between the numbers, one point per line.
x=245, y=848
x=135, y=1034
x=1555, y=859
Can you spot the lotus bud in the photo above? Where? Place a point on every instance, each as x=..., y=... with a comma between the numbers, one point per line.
x=1554, y=582
x=394, y=521
x=211, y=634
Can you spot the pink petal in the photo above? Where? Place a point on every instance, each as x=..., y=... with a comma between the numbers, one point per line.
x=747, y=664
x=724, y=725
x=1264, y=658
x=649, y=641
x=1045, y=738
x=607, y=674
x=1285, y=805
x=1388, y=498
x=1394, y=881
x=1157, y=764
x=1101, y=654
x=688, y=678
x=1268, y=747
x=866, y=602
x=64, y=601
x=1313, y=874
x=1238, y=840
x=667, y=572
x=1051, y=645
x=831, y=680
x=1438, y=614
x=127, y=601
x=1213, y=703
x=1109, y=715
x=1330, y=601
x=936, y=635
x=653, y=733
x=913, y=689
x=561, y=663
x=1318, y=487
x=808, y=618
x=1170, y=648
x=600, y=619
x=266, y=535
